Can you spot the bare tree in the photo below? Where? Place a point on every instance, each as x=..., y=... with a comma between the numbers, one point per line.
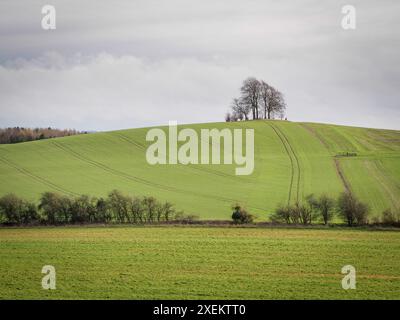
x=277, y=105
x=264, y=98
x=260, y=99
x=272, y=101
x=250, y=95
x=240, y=109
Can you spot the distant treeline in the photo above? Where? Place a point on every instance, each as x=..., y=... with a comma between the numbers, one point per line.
x=20, y=134
x=57, y=209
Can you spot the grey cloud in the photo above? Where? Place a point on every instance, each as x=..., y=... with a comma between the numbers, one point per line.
x=134, y=63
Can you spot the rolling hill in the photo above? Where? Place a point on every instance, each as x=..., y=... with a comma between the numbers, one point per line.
x=292, y=160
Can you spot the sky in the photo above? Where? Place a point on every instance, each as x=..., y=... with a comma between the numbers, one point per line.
x=124, y=64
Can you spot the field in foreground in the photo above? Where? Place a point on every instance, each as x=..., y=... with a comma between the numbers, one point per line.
x=198, y=263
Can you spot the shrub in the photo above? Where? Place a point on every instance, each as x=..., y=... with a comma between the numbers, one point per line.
x=324, y=206
x=12, y=207
x=302, y=212
x=281, y=215
x=376, y=220
x=241, y=216
x=17, y=211
x=352, y=210
x=103, y=214
x=293, y=214
x=181, y=217
x=150, y=205
x=361, y=213
x=30, y=214
x=165, y=211
x=56, y=208
x=137, y=210
x=391, y=217
x=169, y=211
x=83, y=209
x=119, y=205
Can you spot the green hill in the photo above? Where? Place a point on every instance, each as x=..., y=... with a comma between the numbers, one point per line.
x=292, y=160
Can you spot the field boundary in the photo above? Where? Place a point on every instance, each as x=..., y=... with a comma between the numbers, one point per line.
x=214, y=224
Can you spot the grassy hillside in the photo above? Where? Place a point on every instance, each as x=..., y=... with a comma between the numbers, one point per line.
x=291, y=161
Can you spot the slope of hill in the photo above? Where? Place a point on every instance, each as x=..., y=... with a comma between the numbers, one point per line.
x=291, y=161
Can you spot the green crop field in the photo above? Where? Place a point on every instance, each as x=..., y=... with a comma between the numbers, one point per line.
x=292, y=160
x=198, y=263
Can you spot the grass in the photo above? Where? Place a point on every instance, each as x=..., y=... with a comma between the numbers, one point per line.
x=198, y=263
x=291, y=161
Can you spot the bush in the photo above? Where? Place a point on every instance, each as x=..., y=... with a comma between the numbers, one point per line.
x=324, y=206
x=11, y=208
x=281, y=215
x=165, y=211
x=14, y=210
x=30, y=213
x=83, y=209
x=119, y=205
x=303, y=213
x=137, y=210
x=56, y=208
x=351, y=210
x=292, y=214
x=150, y=206
x=241, y=216
x=391, y=217
x=181, y=217
x=103, y=213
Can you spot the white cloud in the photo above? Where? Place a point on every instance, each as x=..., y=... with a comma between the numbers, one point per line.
x=110, y=92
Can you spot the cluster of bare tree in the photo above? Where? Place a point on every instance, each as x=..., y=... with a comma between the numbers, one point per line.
x=20, y=134
x=258, y=100
x=347, y=207
x=55, y=209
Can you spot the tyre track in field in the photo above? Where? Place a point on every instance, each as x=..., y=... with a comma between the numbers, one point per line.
x=190, y=167
x=293, y=159
x=36, y=178
x=130, y=141
x=135, y=178
x=297, y=162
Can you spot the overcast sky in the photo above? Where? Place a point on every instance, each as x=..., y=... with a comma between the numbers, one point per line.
x=123, y=64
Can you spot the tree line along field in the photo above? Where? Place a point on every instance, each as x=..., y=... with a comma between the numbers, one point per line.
x=198, y=263
x=292, y=160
